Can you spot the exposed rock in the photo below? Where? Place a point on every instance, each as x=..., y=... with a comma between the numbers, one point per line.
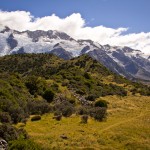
x=11, y=41
x=63, y=136
x=3, y=144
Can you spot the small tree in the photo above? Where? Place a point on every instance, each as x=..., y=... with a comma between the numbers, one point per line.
x=48, y=95
x=101, y=103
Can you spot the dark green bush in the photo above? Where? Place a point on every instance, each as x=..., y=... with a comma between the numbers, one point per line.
x=17, y=114
x=48, y=95
x=82, y=110
x=98, y=113
x=8, y=132
x=65, y=108
x=36, y=118
x=67, y=111
x=36, y=85
x=38, y=107
x=5, y=117
x=101, y=103
x=57, y=113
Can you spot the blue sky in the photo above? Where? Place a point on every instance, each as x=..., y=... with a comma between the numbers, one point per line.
x=114, y=22
x=133, y=14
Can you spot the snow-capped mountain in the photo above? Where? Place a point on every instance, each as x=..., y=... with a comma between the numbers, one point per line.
x=122, y=60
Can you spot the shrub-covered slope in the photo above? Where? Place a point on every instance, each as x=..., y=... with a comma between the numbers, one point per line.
x=85, y=75
x=34, y=84
x=29, y=77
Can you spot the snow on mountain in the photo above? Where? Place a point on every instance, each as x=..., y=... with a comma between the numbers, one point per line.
x=122, y=60
x=38, y=42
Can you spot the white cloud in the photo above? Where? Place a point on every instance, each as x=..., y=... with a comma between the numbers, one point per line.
x=75, y=26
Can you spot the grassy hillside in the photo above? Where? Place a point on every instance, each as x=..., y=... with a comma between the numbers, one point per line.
x=38, y=84
x=127, y=127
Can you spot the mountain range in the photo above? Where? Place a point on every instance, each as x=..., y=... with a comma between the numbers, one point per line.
x=125, y=61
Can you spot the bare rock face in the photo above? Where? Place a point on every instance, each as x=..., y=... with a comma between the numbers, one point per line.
x=36, y=35
x=62, y=53
x=12, y=42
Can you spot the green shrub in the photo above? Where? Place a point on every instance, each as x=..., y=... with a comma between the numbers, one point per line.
x=65, y=108
x=81, y=110
x=5, y=117
x=67, y=111
x=8, y=132
x=17, y=114
x=35, y=85
x=48, y=95
x=57, y=113
x=101, y=103
x=36, y=118
x=40, y=107
x=98, y=113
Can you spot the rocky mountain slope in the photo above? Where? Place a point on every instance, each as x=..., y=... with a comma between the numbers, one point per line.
x=122, y=60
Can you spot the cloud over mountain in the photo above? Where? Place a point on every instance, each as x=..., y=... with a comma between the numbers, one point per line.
x=75, y=26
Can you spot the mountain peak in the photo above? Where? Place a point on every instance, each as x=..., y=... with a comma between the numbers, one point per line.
x=50, y=34
x=121, y=60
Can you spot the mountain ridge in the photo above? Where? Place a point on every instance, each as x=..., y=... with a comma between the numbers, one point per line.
x=122, y=60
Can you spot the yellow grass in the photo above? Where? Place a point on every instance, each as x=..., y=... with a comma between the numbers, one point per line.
x=127, y=127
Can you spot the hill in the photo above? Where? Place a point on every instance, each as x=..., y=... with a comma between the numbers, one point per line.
x=35, y=84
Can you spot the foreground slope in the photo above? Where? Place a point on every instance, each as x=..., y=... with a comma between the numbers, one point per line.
x=126, y=128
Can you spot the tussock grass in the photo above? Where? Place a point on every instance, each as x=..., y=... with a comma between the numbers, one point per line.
x=127, y=127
